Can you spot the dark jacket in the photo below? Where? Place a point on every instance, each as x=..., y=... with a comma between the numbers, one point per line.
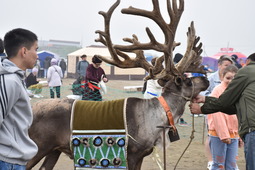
x=93, y=77
x=238, y=98
x=94, y=74
x=82, y=68
x=31, y=80
x=47, y=62
x=62, y=64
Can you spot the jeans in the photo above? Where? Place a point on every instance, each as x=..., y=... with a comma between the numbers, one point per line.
x=249, y=150
x=9, y=166
x=224, y=155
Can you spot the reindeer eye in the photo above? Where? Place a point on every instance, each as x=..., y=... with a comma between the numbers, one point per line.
x=178, y=81
x=189, y=82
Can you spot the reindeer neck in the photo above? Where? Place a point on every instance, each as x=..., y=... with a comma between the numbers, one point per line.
x=176, y=103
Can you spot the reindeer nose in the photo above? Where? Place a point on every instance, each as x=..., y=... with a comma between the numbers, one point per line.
x=205, y=79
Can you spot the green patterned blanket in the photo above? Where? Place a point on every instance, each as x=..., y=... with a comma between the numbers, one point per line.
x=98, y=134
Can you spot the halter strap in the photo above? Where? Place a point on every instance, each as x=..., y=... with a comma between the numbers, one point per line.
x=167, y=110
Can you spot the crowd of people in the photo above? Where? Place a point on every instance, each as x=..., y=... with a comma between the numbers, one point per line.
x=228, y=101
x=232, y=94
x=88, y=84
x=90, y=77
x=18, y=53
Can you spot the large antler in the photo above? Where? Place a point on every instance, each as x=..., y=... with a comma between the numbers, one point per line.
x=191, y=61
x=119, y=53
x=126, y=62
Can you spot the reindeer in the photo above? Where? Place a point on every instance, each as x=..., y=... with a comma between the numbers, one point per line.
x=142, y=115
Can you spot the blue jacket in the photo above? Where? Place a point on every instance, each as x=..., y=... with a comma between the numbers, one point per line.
x=82, y=68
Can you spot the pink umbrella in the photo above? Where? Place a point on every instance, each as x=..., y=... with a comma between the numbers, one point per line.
x=240, y=55
x=229, y=52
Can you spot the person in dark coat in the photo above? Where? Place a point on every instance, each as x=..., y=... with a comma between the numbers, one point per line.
x=32, y=83
x=94, y=75
x=62, y=65
x=46, y=65
x=81, y=67
x=234, y=58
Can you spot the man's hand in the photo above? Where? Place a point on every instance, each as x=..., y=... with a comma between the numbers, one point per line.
x=195, y=108
x=198, y=99
x=240, y=143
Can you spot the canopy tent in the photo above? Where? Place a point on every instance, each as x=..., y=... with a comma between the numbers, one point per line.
x=42, y=55
x=239, y=55
x=212, y=61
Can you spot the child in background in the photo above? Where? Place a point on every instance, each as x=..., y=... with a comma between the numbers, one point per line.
x=223, y=129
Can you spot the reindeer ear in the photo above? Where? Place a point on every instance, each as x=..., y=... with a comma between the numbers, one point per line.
x=178, y=81
x=162, y=82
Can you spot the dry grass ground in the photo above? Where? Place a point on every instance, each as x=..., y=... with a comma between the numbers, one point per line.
x=193, y=159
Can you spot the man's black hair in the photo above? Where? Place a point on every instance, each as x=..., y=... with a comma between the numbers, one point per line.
x=252, y=57
x=83, y=56
x=234, y=57
x=17, y=38
x=1, y=46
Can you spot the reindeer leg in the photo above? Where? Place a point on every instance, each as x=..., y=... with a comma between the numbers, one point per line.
x=135, y=159
x=50, y=160
x=37, y=158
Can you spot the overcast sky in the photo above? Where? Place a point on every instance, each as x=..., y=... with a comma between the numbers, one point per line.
x=219, y=23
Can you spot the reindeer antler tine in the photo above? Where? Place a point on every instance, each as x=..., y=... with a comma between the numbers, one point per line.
x=191, y=60
x=119, y=54
x=151, y=36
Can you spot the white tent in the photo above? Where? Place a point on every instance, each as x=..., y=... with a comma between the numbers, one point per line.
x=113, y=72
x=90, y=52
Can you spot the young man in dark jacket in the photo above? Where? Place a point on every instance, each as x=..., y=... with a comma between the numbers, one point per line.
x=239, y=99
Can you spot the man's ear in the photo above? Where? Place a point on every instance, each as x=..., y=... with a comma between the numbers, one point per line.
x=22, y=51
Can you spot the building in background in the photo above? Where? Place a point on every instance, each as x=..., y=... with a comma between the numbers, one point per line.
x=112, y=72
x=60, y=47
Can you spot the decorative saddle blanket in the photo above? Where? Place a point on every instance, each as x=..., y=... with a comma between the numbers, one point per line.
x=98, y=134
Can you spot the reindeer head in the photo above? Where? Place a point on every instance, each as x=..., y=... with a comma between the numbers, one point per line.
x=191, y=61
